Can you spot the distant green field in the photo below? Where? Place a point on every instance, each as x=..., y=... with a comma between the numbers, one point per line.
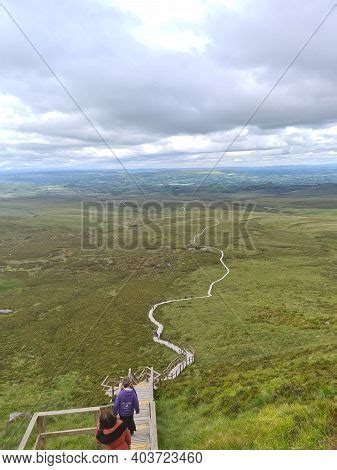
x=265, y=343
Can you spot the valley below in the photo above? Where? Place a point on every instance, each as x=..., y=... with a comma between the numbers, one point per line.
x=265, y=342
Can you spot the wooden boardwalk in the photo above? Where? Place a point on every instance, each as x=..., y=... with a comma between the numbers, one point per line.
x=144, y=438
x=146, y=435
x=144, y=380
x=146, y=422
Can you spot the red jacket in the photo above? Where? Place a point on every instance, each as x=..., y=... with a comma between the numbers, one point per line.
x=123, y=442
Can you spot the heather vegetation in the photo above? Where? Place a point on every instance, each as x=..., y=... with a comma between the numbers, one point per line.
x=265, y=342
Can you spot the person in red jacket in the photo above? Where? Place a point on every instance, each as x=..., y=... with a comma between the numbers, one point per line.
x=113, y=433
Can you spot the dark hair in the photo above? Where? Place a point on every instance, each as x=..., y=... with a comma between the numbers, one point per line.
x=107, y=419
x=126, y=382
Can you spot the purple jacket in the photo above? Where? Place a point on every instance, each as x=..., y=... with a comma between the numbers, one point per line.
x=126, y=403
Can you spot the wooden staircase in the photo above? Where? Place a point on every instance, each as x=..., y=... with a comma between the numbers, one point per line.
x=144, y=383
x=146, y=435
x=144, y=438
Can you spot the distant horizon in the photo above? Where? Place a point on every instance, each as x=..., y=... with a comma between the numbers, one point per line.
x=149, y=169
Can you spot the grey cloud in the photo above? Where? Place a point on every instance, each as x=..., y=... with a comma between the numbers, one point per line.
x=138, y=95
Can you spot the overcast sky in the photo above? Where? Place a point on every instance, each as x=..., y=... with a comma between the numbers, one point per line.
x=167, y=82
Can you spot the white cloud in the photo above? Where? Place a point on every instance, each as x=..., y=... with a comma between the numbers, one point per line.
x=167, y=83
x=166, y=24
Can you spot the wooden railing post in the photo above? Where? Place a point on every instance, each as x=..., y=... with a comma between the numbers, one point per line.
x=41, y=428
x=28, y=432
x=153, y=426
x=151, y=382
x=97, y=414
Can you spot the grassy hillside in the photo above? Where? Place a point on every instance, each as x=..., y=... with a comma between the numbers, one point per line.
x=78, y=316
x=264, y=342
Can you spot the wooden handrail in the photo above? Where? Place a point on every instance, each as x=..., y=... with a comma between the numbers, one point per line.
x=38, y=421
x=28, y=432
x=153, y=426
x=69, y=432
x=147, y=374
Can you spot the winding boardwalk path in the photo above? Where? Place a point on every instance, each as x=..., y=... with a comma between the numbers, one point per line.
x=145, y=379
x=186, y=360
x=146, y=436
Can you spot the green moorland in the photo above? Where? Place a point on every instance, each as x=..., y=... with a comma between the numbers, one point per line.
x=265, y=342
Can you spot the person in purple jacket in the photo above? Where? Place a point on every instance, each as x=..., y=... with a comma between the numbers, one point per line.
x=126, y=403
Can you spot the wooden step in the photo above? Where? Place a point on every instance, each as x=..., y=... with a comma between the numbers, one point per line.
x=140, y=447
x=142, y=420
x=140, y=427
x=142, y=437
x=144, y=414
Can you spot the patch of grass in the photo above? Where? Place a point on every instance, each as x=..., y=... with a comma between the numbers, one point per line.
x=265, y=344
x=265, y=341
